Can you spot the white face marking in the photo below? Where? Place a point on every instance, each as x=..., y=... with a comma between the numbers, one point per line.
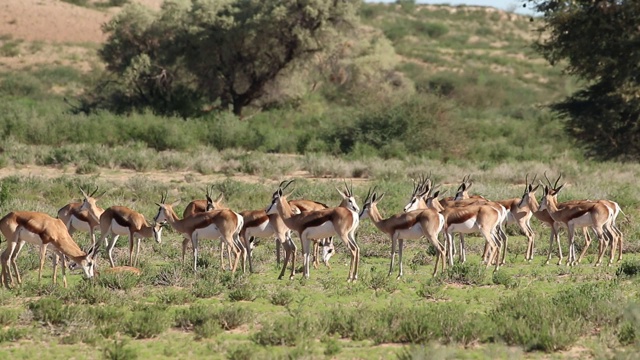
x=412, y=205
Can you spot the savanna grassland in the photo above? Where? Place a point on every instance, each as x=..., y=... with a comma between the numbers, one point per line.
x=469, y=99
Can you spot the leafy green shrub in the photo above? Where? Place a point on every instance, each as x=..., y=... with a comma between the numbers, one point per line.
x=207, y=329
x=627, y=334
x=243, y=290
x=243, y=352
x=175, y=296
x=534, y=322
x=119, y=281
x=147, y=323
x=287, y=331
x=465, y=273
x=332, y=346
x=282, y=297
x=432, y=289
x=93, y=293
x=8, y=316
x=52, y=311
x=119, y=350
x=233, y=316
x=629, y=268
x=380, y=280
x=12, y=334
x=195, y=315
x=502, y=278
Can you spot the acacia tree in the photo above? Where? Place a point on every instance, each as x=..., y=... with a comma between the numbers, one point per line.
x=202, y=53
x=598, y=41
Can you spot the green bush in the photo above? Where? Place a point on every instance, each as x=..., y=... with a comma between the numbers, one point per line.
x=231, y=317
x=52, y=311
x=8, y=316
x=282, y=297
x=119, y=281
x=12, y=334
x=628, y=268
x=468, y=273
x=119, y=350
x=147, y=323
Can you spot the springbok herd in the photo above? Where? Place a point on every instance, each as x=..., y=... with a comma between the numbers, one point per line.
x=424, y=216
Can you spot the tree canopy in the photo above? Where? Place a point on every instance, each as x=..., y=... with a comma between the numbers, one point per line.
x=598, y=41
x=206, y=54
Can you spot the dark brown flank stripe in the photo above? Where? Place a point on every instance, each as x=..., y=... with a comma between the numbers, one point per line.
x=256, y=221
x=580, y=212
x=24, y=222
x=410, y=222
x=459, y=217
x=119, y=219
x=318, y=219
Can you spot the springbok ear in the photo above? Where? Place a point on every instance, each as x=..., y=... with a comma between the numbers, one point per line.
x=344, y=196
x=286, y=196
x=534, y=189
x=469, y=186
x=557, y=190
x=175, y=203
x=380, y=198
x=220, y=197
x=159, y=205
x=436, y=194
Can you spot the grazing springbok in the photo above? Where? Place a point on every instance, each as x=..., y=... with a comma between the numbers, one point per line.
x=214, y=224
x=411, y=225
x=594, y=214
x=122, y=221
x=20, y=227
x=319, y=224
x=76, y=218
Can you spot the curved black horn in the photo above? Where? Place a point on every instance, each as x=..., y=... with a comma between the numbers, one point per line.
x=94, y=191
x=555, y=185
x=547, y=178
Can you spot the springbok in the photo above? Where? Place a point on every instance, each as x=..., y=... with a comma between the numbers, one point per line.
x=594, y=214
x=20, y=227
x=480, y=217
x=122, y=221
x=407, y=225
x=215, y=224
x=319, y=224
x=76, y=218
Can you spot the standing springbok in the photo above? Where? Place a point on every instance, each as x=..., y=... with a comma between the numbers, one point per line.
x=122, y=221
x=481, y=218
x=200, y=206
x=408, y=225
x=215, y=224
x=317, y=225
x=20, y=227
x=594, y=214
x=77, y=218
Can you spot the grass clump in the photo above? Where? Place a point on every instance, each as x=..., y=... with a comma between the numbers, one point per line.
x=118, y=350
x=467, y=273
x=629, y=268
x=53, y=312
x=119, y=281
x=147, y=323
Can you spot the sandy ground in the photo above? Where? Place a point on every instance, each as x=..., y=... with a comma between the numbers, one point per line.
x=55, y=20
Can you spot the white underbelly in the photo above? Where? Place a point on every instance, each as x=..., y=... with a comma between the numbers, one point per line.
x=209, y=232
x=320, y=232
x=414, y=232
x=119, y=229
x=262, y=231
x=29, y=237
x=468, y=226
x=582, y=221
x=79, y=224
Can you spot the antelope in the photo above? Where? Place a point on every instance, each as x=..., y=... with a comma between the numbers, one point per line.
x=215, y=224
x=481, y=218
x=20, y=227
x=317, y=225
x=594, y=214
x=409, y=225
x=122, y=221
x=200, y=206
x=77, y=219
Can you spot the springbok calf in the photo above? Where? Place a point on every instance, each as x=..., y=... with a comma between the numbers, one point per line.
x=594, y=214
x=409, y=225
x=20, y=227
x=319, y=224
x=78, y=219
x=122, y=221
x=215, y=224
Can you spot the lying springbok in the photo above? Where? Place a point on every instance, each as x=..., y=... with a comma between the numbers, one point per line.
x=214, y=224
x=122, y=221
x=317, y=225
x=20, y=227
x=411, y=225
x=76, y=218
x=594, y=214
